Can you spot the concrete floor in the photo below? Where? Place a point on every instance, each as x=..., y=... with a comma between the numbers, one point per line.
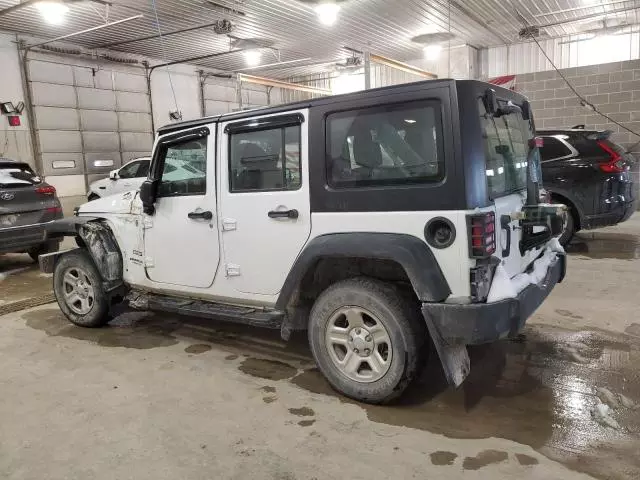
x=162, y=397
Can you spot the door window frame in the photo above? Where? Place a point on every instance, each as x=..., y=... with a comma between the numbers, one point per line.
x=276, y=122
x=156, y=168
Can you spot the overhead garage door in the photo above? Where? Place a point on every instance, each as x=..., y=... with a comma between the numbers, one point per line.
x=88, y=119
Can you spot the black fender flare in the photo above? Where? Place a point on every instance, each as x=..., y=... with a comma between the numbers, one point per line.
x=99, y=241
x=412, y=253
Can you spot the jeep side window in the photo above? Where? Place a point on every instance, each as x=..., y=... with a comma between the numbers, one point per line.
x=184, y=171
x=388, y=145
x=265, y=160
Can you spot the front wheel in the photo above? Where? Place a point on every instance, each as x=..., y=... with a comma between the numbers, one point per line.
x=43, y=249
x=367, y=339
x=78, y=289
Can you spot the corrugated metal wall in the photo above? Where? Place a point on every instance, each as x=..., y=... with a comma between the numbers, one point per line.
x=565, y=52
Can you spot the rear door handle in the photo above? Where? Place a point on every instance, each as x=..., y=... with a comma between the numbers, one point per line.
x=293, y=214
x=205, y=215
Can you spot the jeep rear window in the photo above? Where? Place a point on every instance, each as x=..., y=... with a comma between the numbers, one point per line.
x=506, y=145
x=387, y=145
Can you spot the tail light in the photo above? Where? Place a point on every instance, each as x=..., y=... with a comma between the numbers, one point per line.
x=615, y=164
x=48, y=190
x=482, y=234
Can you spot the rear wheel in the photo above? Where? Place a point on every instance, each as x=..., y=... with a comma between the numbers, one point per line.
x=367, y=339
x=78, y=289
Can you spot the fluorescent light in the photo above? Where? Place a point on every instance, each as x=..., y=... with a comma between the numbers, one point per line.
x=252, y=57
x=52, y=12
x=490, y=173
x=327, y=13
x=500, y=170
x=408, y=120
x=432, y=52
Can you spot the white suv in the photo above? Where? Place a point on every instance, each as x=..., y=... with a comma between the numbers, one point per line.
x=374, y=221
x=129, y=177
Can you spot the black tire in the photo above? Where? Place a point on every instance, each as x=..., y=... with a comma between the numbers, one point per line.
x=569, y=229
x=402, y=320
x=34, y=253
x=92, y=197
x=98, y=313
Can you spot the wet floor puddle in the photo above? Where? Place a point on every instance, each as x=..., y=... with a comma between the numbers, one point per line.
x=531, y=390
x=20, y=278
x=538, y=389
x=603, y=245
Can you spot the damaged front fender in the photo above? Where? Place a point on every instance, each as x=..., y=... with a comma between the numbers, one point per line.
x=99, y=241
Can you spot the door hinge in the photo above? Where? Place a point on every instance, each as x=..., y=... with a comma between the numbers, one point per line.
x=228, y=224
x=233, y=270
x=147, y=222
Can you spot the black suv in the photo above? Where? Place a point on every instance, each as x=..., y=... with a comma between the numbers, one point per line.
x=590, y=174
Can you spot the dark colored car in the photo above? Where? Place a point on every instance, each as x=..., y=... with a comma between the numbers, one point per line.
x=27, y=204
x=595, y=177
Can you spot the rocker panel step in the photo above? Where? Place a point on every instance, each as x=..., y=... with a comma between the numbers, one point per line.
x=230, y=313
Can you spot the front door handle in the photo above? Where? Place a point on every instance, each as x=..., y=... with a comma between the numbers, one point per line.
x=205, y=215
x=293, y=214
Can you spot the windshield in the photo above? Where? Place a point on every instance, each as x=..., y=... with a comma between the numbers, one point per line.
x=17, y=175
x=506, y=146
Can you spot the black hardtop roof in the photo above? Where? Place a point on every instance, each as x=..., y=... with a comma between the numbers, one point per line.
x=374, y=92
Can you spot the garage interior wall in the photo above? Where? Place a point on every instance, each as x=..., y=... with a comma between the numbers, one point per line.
x=89, y=118
x=566, y=52
x=613, y=87
x=15, y=142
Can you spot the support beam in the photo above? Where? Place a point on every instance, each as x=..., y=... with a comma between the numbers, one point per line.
x=367, y=70
x=88, y=30
x=157, y=35
x=270, y=82
x=401, y=66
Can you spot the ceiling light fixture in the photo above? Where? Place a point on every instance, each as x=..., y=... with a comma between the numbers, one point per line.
x=327, y=13
x=52, y=12
x=252, y=57
x=432, y=52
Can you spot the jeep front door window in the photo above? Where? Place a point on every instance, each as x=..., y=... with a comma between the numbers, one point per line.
x=184, y=171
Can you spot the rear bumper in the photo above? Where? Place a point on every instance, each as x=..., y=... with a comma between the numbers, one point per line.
x=18, y=239
x=475, y=324
x=619, y=214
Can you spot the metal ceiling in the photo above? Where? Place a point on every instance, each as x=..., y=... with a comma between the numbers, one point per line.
x=385, y=27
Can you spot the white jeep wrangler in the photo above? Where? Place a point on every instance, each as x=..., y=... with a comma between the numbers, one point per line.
x=375, y=220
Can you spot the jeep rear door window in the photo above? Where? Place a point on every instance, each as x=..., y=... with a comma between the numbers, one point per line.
x=388, y=145
x=506, y=146
x=265, y=160
x=184, y=170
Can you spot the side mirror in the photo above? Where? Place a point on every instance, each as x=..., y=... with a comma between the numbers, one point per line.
x=148, y=192
x=113, y=175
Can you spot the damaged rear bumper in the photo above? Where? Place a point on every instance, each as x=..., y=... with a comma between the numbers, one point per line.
x=453, y=327
x=479, y=323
